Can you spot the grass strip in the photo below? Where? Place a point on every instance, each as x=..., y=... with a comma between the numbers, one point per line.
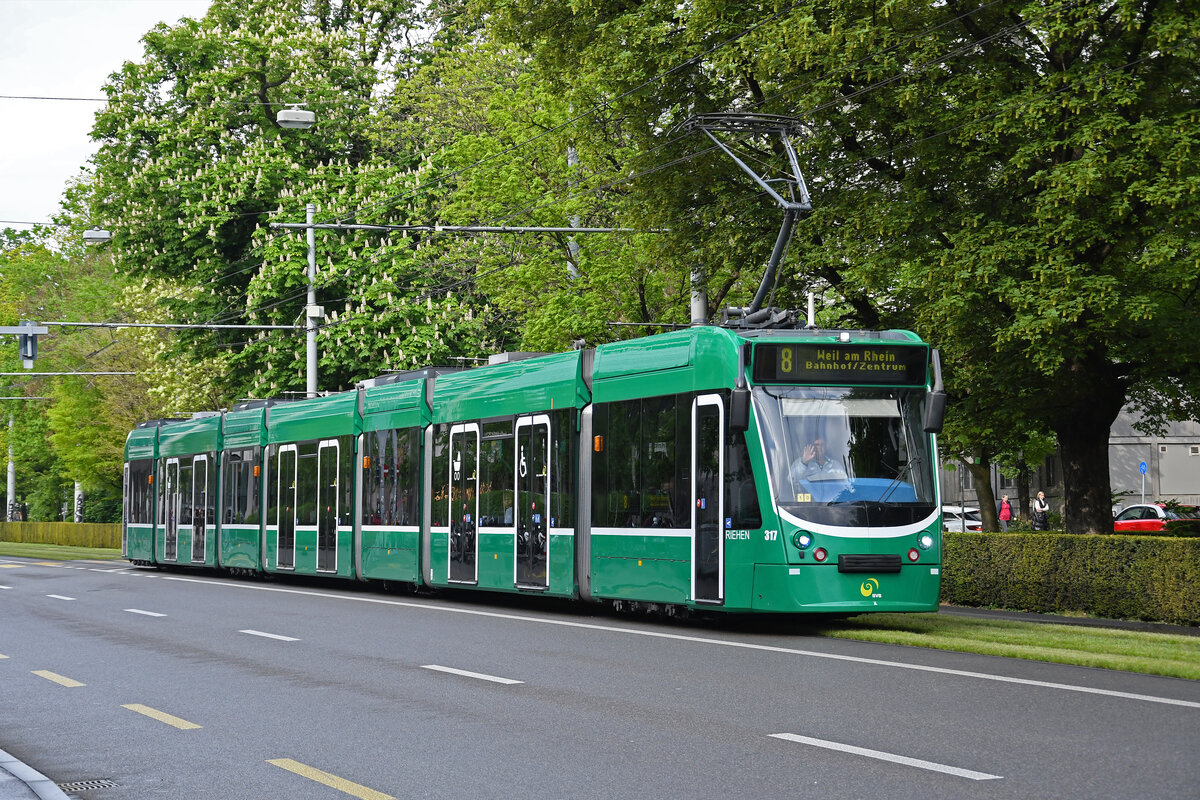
x=1172, y=655
x=57, y=552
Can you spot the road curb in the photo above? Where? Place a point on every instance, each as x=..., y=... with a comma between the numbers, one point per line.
x=39, y=784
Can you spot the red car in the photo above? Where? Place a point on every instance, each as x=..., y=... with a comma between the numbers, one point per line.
x=1151, y=517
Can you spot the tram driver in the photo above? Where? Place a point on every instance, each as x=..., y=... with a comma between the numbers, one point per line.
x=815, y=463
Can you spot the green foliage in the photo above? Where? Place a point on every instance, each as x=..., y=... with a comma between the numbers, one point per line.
x=1119, y=577
x=1009, y=180
x=1181, y=527
x=504, y=151
x=79, y=435
x=192, y=165
x=1012, y=180
x=89, y=448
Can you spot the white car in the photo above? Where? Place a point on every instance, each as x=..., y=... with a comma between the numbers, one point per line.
x=961, y=519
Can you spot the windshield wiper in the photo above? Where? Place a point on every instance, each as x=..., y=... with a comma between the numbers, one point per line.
x=895, y=484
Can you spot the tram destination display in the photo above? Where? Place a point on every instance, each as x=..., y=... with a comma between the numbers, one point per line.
x=840, y=364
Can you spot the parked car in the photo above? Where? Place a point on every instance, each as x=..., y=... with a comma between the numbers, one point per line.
x=961, y=519
x=1151, y=517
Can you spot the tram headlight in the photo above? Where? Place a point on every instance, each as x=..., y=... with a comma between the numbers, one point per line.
x=925, y=542
x=802, y=540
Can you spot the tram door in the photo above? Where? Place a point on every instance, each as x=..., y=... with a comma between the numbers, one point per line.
x=533, y=501
x=285, y=543
x=199, y=506
x=172, y=506
x=126, y=502
x=708, y=542
x=464, y=502
x=327, y=505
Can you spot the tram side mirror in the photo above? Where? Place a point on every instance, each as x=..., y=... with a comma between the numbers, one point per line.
x=935, y=401
x=935, y=411
x=739, y=411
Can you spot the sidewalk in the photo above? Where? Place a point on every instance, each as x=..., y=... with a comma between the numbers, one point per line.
x=19, y=781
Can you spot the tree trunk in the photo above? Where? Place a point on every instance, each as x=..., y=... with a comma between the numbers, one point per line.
x=1022, y=507
x=1083, y=445
x=980, y=468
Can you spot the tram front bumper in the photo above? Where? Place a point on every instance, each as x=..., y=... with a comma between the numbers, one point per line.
x=821, y=588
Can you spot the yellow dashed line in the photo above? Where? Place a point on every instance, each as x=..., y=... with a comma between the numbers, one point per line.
x=59, y=679
x=11, y=566
x=161, y=716
x=333, y=781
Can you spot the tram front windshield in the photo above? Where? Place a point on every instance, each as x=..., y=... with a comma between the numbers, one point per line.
x=852, y=457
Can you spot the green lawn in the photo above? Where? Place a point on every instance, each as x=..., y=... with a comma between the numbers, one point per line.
x=1173, y=655
x=56, y=552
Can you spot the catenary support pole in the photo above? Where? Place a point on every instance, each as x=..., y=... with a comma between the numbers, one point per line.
x=10, y=511
x=310, y=338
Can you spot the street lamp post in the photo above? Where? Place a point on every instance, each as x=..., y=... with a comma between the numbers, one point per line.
x=11, y=495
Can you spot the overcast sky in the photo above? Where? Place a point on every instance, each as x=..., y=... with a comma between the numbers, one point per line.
x=61, y=48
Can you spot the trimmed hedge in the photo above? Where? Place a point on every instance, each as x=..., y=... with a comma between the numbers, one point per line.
x=1181, y=527
x=1111, y=576
x=79, y=534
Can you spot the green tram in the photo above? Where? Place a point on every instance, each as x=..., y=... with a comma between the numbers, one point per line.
x=707, y=468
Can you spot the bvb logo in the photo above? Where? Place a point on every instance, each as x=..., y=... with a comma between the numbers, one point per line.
x=869, y=587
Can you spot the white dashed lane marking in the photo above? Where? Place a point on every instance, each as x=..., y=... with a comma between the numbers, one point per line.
x=270, y=636
x=933, y=766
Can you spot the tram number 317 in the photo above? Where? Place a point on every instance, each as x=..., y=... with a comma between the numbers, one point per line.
x=770, y=536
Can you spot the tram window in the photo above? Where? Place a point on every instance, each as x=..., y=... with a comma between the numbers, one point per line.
x=497, y=429
x=741, y=494
x=252, y=499
x=248, y=488
x=407, y=476
x=390, y=479
x=373, y=469
x=230, y=479
x=345, y=468
x=600, y=498
x=441, y=476
x=306, y=484
x=661, y=507
x=640, y=476
x=240, y=492
x=184, y=490
x=623, y=448
x=273, y=489
x=496, y=480
x=562, y=469
x=140, y=491
x=205, y=485
x=379, y=451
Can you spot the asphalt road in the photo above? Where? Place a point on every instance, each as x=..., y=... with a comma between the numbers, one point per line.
x=173, y=685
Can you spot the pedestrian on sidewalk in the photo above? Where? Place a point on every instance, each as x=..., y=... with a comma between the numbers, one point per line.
x=1004, y=513
x=1040, y=511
